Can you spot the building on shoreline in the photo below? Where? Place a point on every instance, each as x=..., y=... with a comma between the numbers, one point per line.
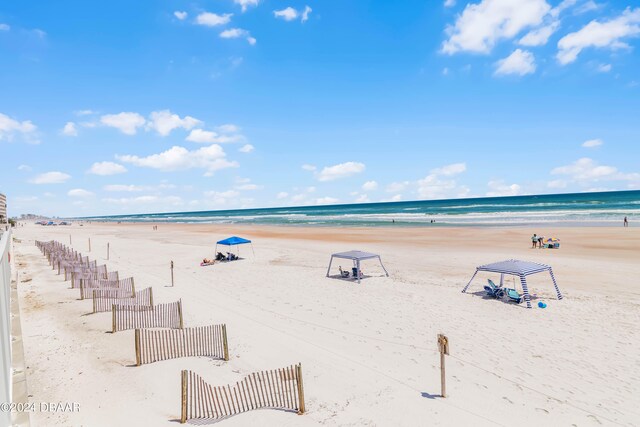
x=3, y=209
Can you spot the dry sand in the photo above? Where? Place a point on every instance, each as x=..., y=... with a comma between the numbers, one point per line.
x=368, y=351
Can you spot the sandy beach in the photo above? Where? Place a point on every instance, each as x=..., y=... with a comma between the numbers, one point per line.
x=368, y=352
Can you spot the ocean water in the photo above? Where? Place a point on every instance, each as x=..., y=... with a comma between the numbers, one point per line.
x=593, y=209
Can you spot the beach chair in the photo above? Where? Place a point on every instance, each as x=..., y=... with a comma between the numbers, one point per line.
x=343, y=273
x=493, y=291
x=514, y=295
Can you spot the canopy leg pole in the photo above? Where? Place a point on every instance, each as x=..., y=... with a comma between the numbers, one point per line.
x=468, y=284
x=329, y=269
x=252, y=251
x=501, y=279
x=382, y=265
x=358, y=270
x=558, y=293
x=525, y=290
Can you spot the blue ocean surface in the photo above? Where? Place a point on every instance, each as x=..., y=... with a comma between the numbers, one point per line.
x=593, y=209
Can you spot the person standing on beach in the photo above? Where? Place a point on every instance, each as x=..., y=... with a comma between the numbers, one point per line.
x=626, y=222
x=534, y=240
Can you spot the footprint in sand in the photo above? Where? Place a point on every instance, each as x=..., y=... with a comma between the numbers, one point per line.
x=594, y=418
x=507, y=399
x=542, y=410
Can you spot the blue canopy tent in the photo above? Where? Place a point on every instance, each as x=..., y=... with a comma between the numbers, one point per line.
x=234, y=241
x=518, y=268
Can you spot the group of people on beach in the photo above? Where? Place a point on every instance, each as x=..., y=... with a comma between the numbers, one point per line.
x=536, y=241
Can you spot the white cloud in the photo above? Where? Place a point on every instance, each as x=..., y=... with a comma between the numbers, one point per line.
x=520, y=62
x=449, y=3
x=396, y=187
x=212, y=20
x=122, y=188
x=327, y=201
x=229, y=128
x=25, y=168
x=587, y=7
x=10, y=127
x=125, y=122
x=247, y=148
x=500, y=189
x=79, y=192
x=539, y=36
x=181, y=15
x=5, y=27
x=591, y=143
x=245, y=3
x=342, y=170
x=282, y=195
x=449, y=170
x=305, y=14
x=218, y=198
x=164, y=122
x=310, y=168
x=145, y=200
x=70, y=129
x=608, y=34
x=84, y=112
x=586, y=172
x=249, y=187
x=211, y=158
x=363, y=198
x=440, y=184
x=370, y=186
x=481, y=25
x=106, y=168
x=205, y=136
x=54, y=177
x=234, y=33
x=288, y=14
x=603, y=68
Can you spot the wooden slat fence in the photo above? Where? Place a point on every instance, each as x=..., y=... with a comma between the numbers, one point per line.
x=156, y=345
x=104, y=299
x=87, y=285
x=277, y=389
x=157, y=316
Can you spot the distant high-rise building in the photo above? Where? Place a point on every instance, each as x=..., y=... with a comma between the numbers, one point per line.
x=3, y=209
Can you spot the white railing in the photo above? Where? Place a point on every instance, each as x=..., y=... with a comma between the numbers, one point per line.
x=5, y=325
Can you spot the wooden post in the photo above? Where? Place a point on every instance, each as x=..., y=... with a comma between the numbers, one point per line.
x=150, y=296
x=171, y=273
x=69, y=239
x=183, y=416
x=89, y=244
x=137, y=338
x=107, y=251
x=300, y=389
x=224, y=343
x=443, y=347
x=180, y=313
x=94, y=301
x=113, y=318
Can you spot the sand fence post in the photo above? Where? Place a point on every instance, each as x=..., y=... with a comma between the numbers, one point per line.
x=171, y=273
x=113, y=318
x=89, y=244
x=301, y=408
x=183, y=414
x=137, y=344
x=180, y=314
x=443, y=348
x=107, y=251
x=225, y=346
x=69, y=239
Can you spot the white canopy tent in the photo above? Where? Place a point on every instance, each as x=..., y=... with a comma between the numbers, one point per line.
x=518, y=268
x=356, y=257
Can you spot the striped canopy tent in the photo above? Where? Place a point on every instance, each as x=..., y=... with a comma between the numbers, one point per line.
x=234, y=241
x=522, y=269
x=356, y=257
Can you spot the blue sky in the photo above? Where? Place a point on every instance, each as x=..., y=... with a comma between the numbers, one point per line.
x=150, y=106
